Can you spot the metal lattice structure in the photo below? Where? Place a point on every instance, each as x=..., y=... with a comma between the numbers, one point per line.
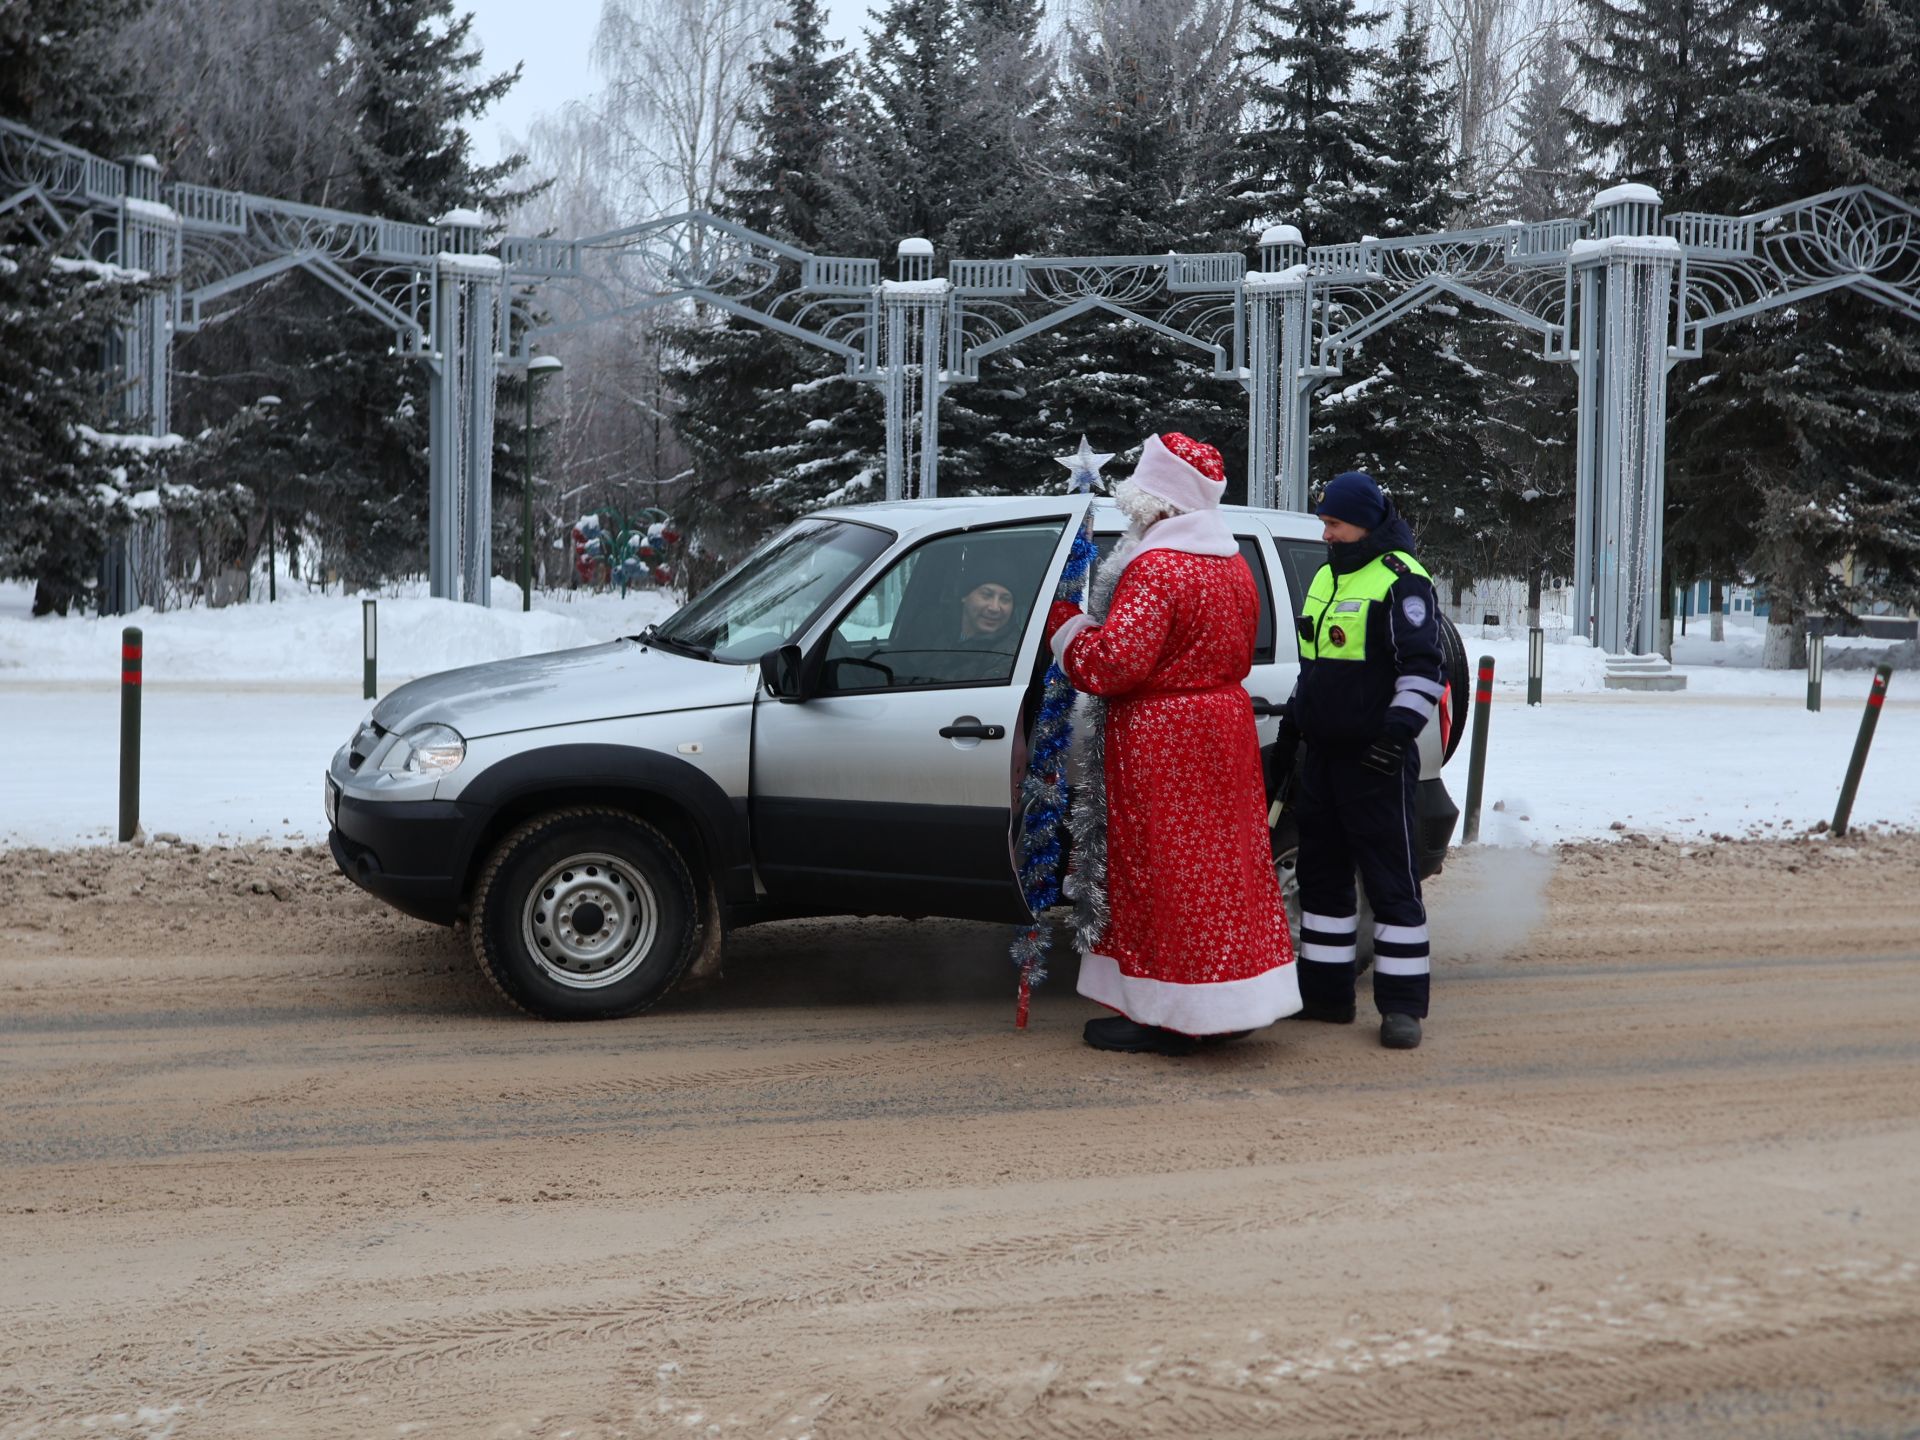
x=1622, y=294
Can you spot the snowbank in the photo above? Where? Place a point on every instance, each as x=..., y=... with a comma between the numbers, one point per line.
x=244, y=707
x=304, y=637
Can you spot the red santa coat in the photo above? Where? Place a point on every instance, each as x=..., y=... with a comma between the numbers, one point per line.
x=1197, y=941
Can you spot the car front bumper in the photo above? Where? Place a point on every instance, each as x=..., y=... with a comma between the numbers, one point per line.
x=413, y=854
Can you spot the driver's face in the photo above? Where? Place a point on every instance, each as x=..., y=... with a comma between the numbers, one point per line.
x=985, y=610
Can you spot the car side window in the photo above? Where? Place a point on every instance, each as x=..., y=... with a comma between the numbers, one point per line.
x=1256, y=562
x=951, y=611
x=1301, y=560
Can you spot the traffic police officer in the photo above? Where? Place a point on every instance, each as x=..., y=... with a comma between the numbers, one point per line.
x=1370, y=679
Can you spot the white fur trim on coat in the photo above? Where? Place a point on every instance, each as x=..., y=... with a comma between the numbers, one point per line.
x=1199, y=532
x=1215, y=1009
x=1164, y=474
x=1063, y=637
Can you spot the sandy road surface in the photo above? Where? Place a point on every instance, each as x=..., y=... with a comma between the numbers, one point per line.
x=273, y=1162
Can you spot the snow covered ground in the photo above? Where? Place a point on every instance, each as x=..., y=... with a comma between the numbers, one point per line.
x=244, y=706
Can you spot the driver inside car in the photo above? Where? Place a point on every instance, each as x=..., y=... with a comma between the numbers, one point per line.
x=986, y=611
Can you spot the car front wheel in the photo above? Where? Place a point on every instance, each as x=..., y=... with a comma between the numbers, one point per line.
x=584, y=914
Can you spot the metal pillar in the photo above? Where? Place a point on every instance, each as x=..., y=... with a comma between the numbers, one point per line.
x=1279, y=385
x=146, y=241
x=1296, y=399
x=912, y=309
x=464, y=369
x=1586, y=365
x=1265, y=381
x=1625, y=295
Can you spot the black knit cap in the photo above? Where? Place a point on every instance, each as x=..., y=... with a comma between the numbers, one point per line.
x=1354, y=497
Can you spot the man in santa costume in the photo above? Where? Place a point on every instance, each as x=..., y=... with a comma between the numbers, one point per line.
x=1194, y=941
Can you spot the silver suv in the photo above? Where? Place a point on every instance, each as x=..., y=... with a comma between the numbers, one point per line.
x=825, y=731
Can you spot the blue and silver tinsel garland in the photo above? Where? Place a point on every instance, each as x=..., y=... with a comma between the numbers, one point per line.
x=1043, y=793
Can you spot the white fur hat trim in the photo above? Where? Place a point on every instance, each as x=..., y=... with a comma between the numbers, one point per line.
x=1164, y=475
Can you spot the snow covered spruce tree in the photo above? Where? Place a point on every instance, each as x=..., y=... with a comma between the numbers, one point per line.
x=356, y=105
x=1838, y=378
x=1674, y=90
x=772, y=425
x=62, y=490
x=1306, y=157
x=361, y=415
x=941, y=139
x=66, y=75
x=1148, y=113
x=1414, y=407
x=247, y=95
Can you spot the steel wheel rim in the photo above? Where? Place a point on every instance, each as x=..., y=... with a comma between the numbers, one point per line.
x=582, y=889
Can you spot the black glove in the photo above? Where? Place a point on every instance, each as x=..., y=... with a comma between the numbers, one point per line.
x=1286, y=747
x=1280, y=757
x=1388, y=754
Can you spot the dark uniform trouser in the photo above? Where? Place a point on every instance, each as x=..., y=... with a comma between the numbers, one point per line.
x=1352, y=817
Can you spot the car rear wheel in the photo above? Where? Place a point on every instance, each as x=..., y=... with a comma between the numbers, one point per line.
x=584, y=915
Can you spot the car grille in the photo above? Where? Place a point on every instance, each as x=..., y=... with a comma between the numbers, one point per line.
x=364, y=740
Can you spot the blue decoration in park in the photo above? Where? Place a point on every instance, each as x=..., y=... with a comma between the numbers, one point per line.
x=1043, y=793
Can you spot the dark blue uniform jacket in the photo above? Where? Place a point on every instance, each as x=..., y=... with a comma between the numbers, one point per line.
x=1350, y=703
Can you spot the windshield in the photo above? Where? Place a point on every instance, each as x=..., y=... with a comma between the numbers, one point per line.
x=773, y=596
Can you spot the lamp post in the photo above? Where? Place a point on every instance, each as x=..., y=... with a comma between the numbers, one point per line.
x=264, y=408
x=537, y=368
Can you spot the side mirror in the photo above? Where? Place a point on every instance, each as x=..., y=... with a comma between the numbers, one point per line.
x=780, y=673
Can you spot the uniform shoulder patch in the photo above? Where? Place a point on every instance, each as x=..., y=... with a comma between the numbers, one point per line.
x=1394, y=563
x=1415, y=609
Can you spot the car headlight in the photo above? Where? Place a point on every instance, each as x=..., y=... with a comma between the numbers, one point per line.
x=430, y=750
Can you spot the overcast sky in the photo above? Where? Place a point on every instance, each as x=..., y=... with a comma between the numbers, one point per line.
x=552, y=37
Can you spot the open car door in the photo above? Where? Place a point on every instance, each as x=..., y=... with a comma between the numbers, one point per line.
x=888, y=786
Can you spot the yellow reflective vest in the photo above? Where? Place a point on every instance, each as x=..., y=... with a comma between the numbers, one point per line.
x=1333, y=621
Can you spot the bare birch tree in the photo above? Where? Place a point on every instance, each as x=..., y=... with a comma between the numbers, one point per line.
x=1489, y=48
x=255, y=93
x=678, y=77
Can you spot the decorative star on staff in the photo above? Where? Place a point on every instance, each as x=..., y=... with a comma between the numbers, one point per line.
x=1084, y=468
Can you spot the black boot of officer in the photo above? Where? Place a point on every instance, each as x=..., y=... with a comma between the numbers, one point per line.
x=1370, y=679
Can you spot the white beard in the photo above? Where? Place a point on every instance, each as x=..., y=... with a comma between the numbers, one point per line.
x=1143, y=511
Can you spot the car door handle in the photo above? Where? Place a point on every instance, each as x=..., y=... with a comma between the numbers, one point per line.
x=1265, y=707
x=957, y=731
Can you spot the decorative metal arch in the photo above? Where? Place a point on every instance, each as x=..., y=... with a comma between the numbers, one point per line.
x=1620, y=294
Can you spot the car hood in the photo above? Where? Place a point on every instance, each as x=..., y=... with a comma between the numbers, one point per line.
x=564, y=687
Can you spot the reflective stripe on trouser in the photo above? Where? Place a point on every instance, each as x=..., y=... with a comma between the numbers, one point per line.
x=1352, y=818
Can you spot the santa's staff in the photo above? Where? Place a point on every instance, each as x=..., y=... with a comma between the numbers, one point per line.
x=1043, y=794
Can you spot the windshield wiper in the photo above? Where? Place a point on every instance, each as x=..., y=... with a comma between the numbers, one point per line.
x=653, y=635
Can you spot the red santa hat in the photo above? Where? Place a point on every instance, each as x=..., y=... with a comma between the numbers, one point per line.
x=1182, y=471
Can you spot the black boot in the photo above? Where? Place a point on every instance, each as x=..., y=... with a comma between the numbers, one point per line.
x=1116, y=1032
x=1400, y=1032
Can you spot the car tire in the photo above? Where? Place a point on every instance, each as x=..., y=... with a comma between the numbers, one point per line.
x=1453, y=669
x=1285, y=838
x=584, y=914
